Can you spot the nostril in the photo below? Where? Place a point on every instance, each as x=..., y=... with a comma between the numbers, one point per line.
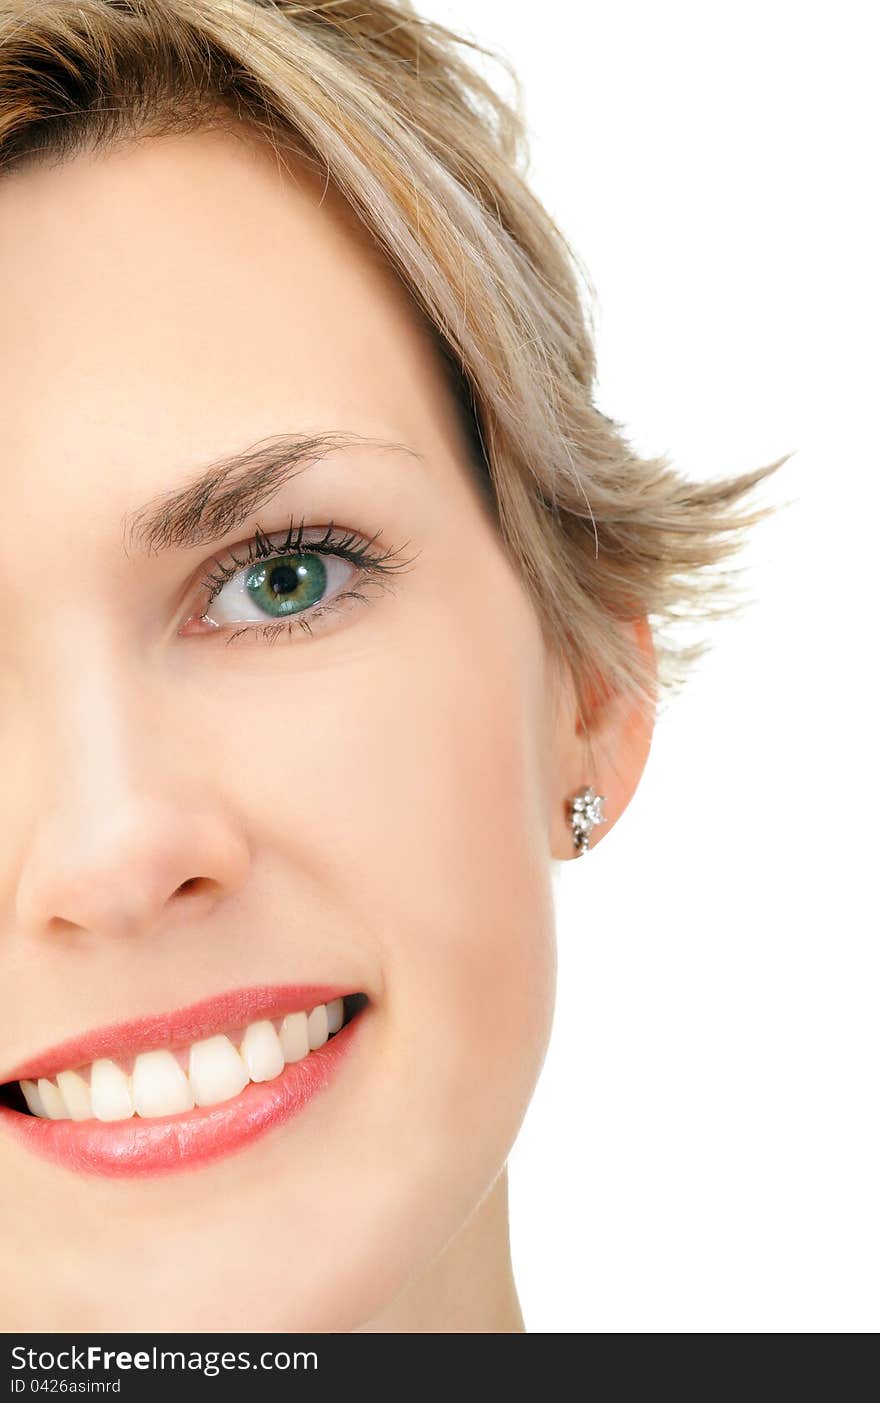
x=195, y=887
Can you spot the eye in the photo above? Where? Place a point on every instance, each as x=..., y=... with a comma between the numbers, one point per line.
x=276, y=587
x=281, y=586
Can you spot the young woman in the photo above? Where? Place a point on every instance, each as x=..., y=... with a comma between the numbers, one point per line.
x=334, y=612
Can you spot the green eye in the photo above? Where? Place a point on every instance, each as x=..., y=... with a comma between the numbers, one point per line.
x=288, y=584
x=297, y=580
x=301, y=582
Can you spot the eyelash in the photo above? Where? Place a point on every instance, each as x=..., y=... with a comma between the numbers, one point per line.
x=346, y=544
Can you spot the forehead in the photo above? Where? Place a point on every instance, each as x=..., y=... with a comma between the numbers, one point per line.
x=177, y=296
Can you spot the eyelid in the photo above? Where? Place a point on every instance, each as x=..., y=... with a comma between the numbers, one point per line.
x=261, y=546
x=336, y=542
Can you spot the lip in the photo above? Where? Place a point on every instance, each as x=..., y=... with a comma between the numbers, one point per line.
x=164, y=1144
x=233, y=1009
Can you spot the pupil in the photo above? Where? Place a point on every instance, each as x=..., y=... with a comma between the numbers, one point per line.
x=284, y=579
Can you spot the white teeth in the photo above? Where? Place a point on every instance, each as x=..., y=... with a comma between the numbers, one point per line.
x=335, y=1016
x=295, y=1037
x=52, y=1099
x=77, y=1096
x=160, y=1085
x=216, y=1072
x=111, y=1091
x=33, y=1098
x=318, y=1027
x=261, y=1052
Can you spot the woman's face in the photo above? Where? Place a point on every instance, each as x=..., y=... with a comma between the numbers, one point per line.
x=363, y=800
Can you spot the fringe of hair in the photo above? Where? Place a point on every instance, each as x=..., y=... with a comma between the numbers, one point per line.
x=432, y=160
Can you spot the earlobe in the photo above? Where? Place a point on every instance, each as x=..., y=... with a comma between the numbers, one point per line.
x=606, y=758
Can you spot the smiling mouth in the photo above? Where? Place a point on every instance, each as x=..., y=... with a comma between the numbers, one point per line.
x=180, y=1089
x=166, y=1081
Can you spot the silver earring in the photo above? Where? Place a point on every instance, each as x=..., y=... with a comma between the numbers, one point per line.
x=584, y=812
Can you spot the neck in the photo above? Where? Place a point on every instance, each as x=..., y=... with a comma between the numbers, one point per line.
x=468, y=1288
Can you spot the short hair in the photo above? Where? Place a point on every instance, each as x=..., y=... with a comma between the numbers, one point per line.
x=388, y=107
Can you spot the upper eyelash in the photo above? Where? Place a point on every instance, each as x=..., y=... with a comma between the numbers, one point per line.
x=259, y=547
x=348, y=545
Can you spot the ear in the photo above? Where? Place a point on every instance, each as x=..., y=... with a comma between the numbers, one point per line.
x=609, y=752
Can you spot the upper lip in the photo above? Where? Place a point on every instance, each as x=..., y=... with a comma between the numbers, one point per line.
x=233, y=1009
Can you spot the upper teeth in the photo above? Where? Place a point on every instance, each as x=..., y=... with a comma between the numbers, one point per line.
x=162, y=1082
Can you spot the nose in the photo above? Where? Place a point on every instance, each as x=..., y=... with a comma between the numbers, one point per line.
x=127, y=870
x=127, y=830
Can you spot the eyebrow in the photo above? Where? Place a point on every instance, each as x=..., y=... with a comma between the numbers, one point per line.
x=224, y=494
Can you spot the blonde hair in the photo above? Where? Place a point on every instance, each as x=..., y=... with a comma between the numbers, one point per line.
x=431, y=158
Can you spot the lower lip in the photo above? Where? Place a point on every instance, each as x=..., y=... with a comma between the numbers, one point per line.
x=136, y=1148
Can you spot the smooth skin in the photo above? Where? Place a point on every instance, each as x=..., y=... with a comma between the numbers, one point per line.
x=376, y=804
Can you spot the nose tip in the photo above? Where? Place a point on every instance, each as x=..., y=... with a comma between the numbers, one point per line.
x=126, y=878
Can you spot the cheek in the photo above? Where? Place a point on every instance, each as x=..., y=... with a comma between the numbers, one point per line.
x=414, y=815
x=402, y=783
x=441, y=852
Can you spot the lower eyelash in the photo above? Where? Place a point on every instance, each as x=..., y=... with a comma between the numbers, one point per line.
x=270, y=632
x=347, y=546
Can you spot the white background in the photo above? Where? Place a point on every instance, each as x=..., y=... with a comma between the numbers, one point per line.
x=702, y=1150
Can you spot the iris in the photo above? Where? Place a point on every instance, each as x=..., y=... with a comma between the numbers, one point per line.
x=281, y=588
